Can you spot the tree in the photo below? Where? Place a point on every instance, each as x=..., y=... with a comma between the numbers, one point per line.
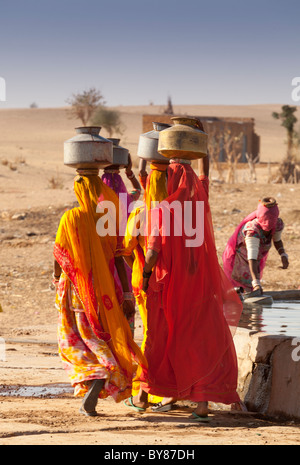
x=84, y=104
x=287, y=171
x=288, y=121
x=233, y=152
x=214, y=142
x=107, y=119
x=169, y=109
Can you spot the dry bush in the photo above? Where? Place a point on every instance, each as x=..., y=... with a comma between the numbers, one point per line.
x=13, y=166
x=20, y=160
x=214, y=144
x=56, y=182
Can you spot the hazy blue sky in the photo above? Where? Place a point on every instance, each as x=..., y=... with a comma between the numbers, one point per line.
x=199, y=52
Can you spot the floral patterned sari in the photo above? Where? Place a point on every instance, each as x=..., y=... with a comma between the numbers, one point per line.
x=95, y=341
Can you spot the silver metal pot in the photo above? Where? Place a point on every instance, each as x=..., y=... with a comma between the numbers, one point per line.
x=148, y=144
x=88, y=150
x=120, y=154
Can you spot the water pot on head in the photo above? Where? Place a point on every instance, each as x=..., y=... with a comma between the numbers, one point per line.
x=120, y=155
x=185, y=139
x=88, y=150
x=148, y=144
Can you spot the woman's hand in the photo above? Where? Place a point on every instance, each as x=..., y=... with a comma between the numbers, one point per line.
x=258, y=289
x=283, y=255
x=142, y=168
x=128, y=169
x=128, y=308
x=256, y=286
x=145, y=284
x=150, y=262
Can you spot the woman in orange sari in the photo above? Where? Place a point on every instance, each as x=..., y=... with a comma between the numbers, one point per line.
x=135, y=239
x=95, y=341
x=135, y=247
x=192, y=307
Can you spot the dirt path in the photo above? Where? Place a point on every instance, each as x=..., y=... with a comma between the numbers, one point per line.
x=29, y=315
x=34, y=414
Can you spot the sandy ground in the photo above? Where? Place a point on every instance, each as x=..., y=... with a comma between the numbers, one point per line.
x=35, y=191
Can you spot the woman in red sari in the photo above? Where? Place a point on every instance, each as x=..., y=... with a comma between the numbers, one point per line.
x=192, y=307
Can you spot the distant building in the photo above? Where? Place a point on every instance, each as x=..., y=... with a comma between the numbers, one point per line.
x=250, y=142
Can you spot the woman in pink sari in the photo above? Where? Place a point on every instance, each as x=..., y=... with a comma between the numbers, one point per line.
x=112, y=178
x=247, y=250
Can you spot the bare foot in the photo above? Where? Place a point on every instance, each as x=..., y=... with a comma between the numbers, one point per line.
x=168, y=400
x=239, y=406
x=164, y=405
x=202, y=409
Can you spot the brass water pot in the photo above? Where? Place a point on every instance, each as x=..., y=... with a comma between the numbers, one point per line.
x=184, y=139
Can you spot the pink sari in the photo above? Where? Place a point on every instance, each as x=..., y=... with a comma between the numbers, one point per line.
x=192, y=308
x=267, y=218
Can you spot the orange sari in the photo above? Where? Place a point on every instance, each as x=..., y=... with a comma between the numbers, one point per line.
x=97, y=343
x=136, y=245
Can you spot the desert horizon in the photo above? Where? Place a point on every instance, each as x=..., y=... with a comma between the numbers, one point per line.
x=31, y=146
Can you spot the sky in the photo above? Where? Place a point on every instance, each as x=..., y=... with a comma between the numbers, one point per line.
x=211, y=52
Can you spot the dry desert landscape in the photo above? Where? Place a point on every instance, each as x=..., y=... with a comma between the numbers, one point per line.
x=36, y=188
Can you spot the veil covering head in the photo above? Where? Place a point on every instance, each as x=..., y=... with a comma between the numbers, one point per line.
x=114, y=180
x=267, y=214
x=193, y=309
x=156, y=187
x=88, y=261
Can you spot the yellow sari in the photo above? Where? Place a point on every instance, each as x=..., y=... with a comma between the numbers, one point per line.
x=95, y=340
x=136, y=245
x=156, y=188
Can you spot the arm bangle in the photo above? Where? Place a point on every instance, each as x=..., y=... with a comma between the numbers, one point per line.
x=55, y=278
x=128, y=296
x=130, y=176
x=283, y=254
x=255, y=282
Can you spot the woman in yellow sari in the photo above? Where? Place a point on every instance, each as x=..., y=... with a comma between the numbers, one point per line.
x=135, y=247
x=95, y=341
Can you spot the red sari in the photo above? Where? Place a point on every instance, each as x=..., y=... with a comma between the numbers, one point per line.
x=192, y=307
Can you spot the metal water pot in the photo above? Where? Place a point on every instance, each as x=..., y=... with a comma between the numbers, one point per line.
x=148, y=144
x=120, y=154
x=183, y=140
x=88, y=150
